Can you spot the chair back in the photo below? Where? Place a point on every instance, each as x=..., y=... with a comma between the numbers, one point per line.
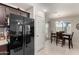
x=53, y=34
x=59, y=35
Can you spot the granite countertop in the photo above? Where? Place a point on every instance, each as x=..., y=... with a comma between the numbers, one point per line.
x=3, y=42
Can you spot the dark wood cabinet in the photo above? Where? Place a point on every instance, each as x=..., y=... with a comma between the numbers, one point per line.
x=2, y=15
x=24, y=14
x=3, y=49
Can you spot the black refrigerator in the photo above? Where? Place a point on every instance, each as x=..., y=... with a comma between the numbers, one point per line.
x=21, y=35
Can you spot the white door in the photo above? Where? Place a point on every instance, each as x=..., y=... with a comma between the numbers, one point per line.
x=39, y=33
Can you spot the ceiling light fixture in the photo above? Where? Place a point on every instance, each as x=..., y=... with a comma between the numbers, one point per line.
x=45, y=10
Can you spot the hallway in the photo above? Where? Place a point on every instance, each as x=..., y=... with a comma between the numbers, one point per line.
x=52, y=49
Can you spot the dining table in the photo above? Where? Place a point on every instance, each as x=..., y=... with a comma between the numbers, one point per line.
x=65, y=36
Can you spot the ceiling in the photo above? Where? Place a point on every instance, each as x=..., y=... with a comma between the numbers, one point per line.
x=57, y=10
x=54, y=10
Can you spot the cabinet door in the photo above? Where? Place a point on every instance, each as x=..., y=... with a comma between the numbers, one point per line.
x=14, y=11
x=7, y=11
x=2, y=15
x=24, y=14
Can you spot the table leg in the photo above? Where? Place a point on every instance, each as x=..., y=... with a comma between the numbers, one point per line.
x=69, y=44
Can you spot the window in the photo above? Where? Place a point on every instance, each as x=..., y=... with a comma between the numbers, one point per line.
x=63, y=26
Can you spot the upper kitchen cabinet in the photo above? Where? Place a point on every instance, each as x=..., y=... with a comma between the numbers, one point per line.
x=14, y=11
x=2, y=15
x=24, y=14
x=7, y=11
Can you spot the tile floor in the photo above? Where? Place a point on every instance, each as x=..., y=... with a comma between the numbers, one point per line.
x=52, y=49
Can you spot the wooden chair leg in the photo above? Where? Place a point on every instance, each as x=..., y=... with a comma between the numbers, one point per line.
x=51, y=40
x=63, y=43
x=56, y=41
x=54, y=38
x=71, y=44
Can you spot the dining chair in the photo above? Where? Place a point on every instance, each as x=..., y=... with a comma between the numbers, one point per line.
x=69, y=38
x=53, y=37
x=59, y=39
